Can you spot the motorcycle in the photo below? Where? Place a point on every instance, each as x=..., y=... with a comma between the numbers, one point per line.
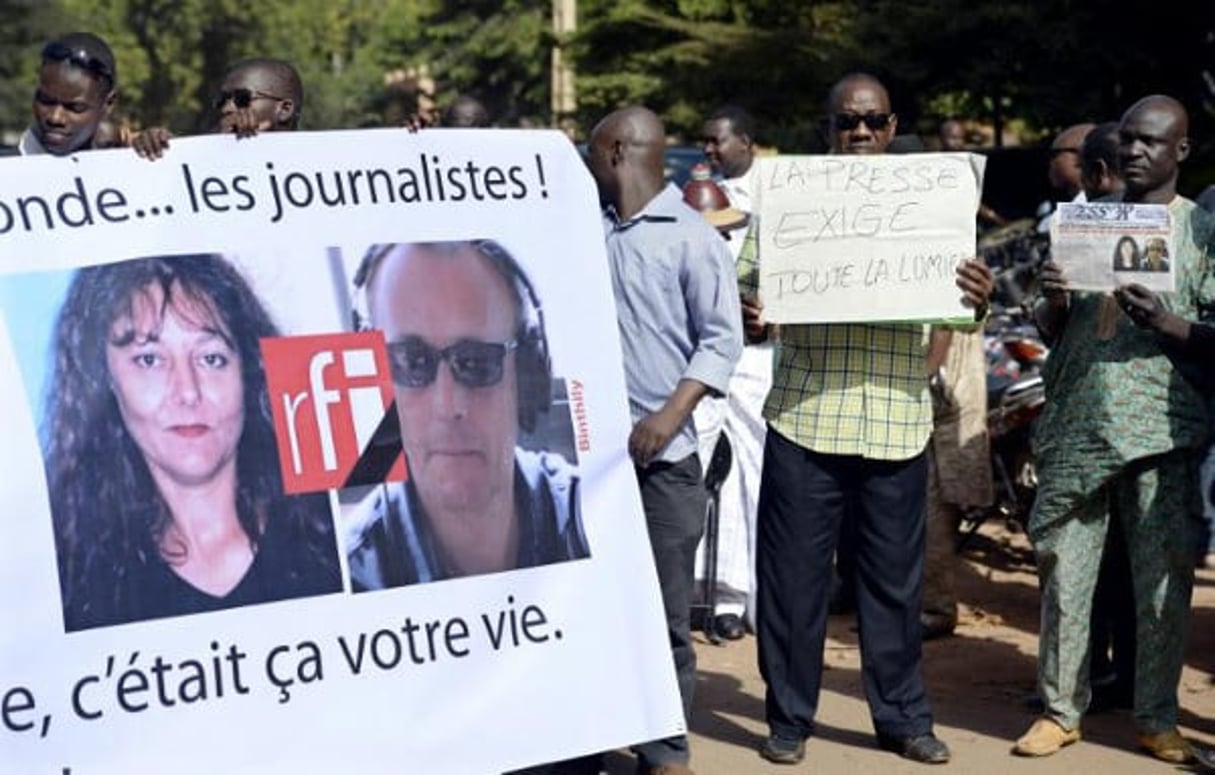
x=1016, y=394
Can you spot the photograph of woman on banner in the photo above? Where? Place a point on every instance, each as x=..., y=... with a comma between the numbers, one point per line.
x=490, y=487
x=1126, y=255
x=165, y=490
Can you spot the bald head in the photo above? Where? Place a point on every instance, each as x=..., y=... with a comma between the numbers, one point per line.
x=1064, y=171
x=854, y=81
x=859, y=118
x=1152, y=142
x=625, y=155
x=635, y=126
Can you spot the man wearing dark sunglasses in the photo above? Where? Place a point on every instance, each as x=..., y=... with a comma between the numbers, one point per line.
x=849, y=418
x=77, y=86
x=469, y=364
x=257, y=95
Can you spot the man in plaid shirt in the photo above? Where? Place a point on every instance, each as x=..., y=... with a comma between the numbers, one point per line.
x=849, y=417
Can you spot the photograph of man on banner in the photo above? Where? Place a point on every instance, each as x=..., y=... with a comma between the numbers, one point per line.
x=471, y=374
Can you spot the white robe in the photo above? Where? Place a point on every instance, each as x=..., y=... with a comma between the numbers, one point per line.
x=740, y=416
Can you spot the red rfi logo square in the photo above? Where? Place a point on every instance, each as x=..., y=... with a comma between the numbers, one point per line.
x=328, y=394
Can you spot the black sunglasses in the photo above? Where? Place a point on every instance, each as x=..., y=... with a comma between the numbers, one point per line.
x=55, y=51
x=846, y=122
x=242, y=97
x=474, y=364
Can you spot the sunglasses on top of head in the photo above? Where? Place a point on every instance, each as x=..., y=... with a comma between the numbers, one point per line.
x=56, y=51
x=242, y=97
x=474, y=364
x=846, y=122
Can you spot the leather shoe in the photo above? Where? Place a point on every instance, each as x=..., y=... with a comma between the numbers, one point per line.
x=1044, y=738
x=1167, y=746
x=934, y=626
x=783, y=750
x=925, y=748
x=729, y=626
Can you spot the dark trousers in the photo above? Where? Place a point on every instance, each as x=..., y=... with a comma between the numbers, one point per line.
x=803, y=499
x=674, y=498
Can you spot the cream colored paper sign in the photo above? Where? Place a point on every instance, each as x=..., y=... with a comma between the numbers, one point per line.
x=866, y=238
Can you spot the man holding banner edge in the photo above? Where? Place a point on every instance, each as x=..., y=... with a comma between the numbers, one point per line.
x=829, y=447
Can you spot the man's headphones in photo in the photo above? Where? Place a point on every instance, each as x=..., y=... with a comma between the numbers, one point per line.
x=533, y=366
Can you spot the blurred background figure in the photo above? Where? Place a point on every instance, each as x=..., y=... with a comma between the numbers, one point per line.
x=465, y=112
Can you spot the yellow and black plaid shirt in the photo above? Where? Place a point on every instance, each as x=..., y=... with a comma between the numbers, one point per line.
x=848, y=388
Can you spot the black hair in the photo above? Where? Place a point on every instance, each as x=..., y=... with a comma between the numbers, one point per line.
x=741, y=122
x=87, y=52
x=1100, y=145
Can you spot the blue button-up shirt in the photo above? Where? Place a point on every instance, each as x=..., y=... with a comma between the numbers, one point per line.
x=677, y=306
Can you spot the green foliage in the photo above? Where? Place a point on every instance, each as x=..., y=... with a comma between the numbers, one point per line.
x=1037, y=65
x=26, y=25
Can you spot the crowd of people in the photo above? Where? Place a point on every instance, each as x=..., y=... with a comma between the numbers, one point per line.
x=862, y=441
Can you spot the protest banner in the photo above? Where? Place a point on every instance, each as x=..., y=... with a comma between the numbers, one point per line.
x=235, y=348
x=866, y=238
x=1101, y=245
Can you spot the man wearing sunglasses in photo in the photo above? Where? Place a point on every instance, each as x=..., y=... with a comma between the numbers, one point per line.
x=471, y=373
x=257, y=95
x=849, y=419
x=77, y=86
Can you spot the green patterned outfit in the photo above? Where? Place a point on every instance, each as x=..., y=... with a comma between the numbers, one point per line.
x=1117, y=439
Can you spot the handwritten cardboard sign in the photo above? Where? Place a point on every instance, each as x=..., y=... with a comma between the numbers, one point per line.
x=866, y=238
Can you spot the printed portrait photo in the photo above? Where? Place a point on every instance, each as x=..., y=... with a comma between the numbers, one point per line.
x=1126, y=255
x=159, y=446
x=479, y=416
x=1155, y=255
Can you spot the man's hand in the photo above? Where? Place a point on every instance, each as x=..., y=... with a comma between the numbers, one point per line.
x=1146, y=310
x=1053, y=284
x=415, y=121
x=152, y=142
x=242, y=123
x=755, y=330
x=651, y=434
x=976, y=282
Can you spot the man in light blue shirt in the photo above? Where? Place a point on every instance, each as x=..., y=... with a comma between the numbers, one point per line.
x=681, y=334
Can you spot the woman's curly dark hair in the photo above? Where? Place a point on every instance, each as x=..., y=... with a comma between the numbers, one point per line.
x=109, y=515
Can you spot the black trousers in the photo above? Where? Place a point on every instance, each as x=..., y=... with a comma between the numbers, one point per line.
x=803, y=499
x=674, y=498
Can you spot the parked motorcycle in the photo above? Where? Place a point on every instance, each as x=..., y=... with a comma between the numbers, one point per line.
x=1015, y=391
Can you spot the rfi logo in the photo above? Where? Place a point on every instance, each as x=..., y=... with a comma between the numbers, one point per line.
x=328, y=394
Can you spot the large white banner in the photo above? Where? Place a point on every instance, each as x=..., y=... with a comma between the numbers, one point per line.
x=866, y=238
x=313, y=460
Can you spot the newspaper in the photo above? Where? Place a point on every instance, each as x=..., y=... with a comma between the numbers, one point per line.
x=1102, y=245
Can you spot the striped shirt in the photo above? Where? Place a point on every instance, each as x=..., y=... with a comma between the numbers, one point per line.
x=848, y=388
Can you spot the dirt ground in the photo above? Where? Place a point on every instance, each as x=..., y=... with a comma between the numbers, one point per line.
x=977, y=680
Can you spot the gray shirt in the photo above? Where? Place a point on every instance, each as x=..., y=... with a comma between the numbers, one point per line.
x=676, y=304
x=389, y=541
